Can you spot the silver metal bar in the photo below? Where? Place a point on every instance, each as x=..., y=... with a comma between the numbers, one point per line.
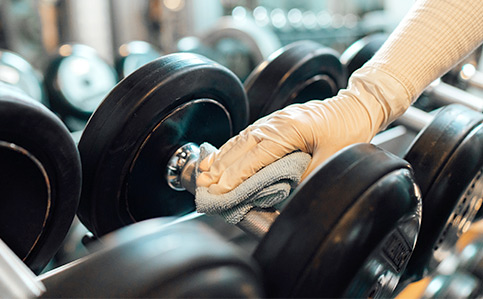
x=444, y=94
x=258, y=221
x=16, y=279
x=414, y=119
x=476, y=80
x=180, y=175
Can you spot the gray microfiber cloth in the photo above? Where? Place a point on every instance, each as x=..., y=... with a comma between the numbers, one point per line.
x=266, y=188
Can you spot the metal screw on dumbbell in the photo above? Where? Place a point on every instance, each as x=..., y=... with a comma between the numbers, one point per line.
x=180, y=175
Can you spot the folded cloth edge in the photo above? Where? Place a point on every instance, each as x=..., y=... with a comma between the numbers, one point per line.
x=265, y=188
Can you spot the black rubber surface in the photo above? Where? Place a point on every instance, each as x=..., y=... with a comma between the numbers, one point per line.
x=361, y=51
x=359, y=209
x=31, y=224
x=126, y=145
x=158, y=260
x=446, y=156
x=299, y=72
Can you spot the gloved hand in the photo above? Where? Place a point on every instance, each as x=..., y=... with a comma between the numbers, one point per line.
x=431, y=39
x=320, y=128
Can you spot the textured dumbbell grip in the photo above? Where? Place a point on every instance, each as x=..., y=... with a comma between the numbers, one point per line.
x=257, y=222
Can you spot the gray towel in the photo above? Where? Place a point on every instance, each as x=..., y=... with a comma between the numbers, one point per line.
x=268, y=187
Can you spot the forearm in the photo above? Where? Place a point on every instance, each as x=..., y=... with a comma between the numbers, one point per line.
x=432, y=38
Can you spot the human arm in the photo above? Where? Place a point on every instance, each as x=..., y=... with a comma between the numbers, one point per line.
x=433, y=37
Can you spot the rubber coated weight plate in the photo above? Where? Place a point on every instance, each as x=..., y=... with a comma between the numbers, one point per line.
x=133, y=55
x=76, y=81
x=348, y=230
x=299, y=72
x=448, y=162
x=157, y=260
x=238, y=44
x=127, y=143
x=39, y=178
x=17, y=71
x=361, y=51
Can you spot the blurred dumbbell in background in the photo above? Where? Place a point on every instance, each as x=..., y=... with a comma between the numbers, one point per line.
x=248, y=34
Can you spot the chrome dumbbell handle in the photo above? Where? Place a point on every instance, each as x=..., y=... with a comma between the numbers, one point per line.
x=445, y=94
x=476, y=80
x=414, y=119
x=180, y=175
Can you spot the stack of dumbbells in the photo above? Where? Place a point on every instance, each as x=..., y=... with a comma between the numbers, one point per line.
x=93, y=206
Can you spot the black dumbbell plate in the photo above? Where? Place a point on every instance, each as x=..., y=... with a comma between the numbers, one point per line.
x=158, y=260
x=348, y=230
x=299, y=72
x=447, y=158
x=127, y=143
x=361, y=51
x=40, y=178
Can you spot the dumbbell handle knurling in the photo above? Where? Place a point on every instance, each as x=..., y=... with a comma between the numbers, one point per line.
x=181, y=176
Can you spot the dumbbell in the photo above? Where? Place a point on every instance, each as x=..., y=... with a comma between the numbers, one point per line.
x=238, y=44
x=438, y=92
x=447, y=160
x=17, y=71
x=443, y=94
x=133, y=55
x=39, y=177
x=76, y=80
x=181, y=99
x=158, y=259
x=297, y=72
x=137, y=262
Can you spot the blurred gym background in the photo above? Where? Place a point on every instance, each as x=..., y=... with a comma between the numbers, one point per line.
x=36, y=28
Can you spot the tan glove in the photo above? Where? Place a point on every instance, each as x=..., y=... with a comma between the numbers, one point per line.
x=433, y=37
x=320, y=128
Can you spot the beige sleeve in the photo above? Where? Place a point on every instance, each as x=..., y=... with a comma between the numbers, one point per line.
x=430, y=40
